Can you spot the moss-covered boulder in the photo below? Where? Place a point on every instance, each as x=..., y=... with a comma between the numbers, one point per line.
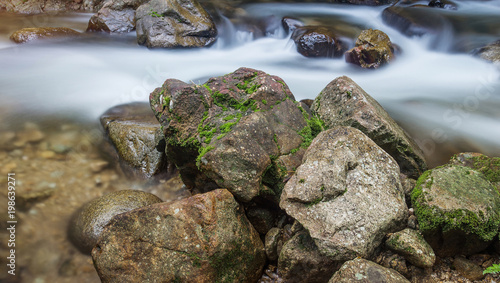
x=412, y=246
x=347, y=193
x=243, y=131
x=344, y=103
x=457, y=208
x=204, y=238
x=373, y=49
x=489, y=166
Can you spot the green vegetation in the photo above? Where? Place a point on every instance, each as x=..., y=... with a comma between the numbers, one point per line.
x=155, y=14
x=495, y=268
x=310, y=131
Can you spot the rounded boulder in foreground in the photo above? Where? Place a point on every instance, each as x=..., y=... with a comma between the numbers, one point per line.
x=88, y=222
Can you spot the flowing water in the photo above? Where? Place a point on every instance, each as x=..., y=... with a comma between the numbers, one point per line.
x=442, y=97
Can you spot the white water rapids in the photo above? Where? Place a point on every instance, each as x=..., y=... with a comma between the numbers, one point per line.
x=438, y=96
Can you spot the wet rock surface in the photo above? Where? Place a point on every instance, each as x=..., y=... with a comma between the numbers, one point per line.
x=31, y=34
x=47, y=6
x=204, y=238
x=346, y=173
x=240, y=131
x=362, y=270
x=457, y=209
x=410, y=244
x=318, y=41
x=136, y=141
x=414, y=20
x=373, y=49
x=344, y=103
x=490, y=52
x=173, y=24
x=88, y=222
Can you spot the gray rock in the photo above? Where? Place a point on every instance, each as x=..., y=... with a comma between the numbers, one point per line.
x=243, y=131
x=344, y=103
x=115, y=16
x=468, y=269
x=139, y=145
x=457, y=208
x=364, y=271
x=490, y=52
x=203, y=238
x=174, y=23
x=410, y=244
x=88, y=222
x=271, y=243
x=347, y=194
x=301, y=261
x=489, y=166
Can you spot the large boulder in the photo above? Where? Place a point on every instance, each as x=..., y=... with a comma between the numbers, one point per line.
x=457, y=208
x=365, y=271
x=347, y=194
x=204, y=238
x=373, y=49
x=344, y=103
x=174, y=23
x=300, y=261
x=489, y=166
x=29, y=34
x=136, y=141
x=243, y=131
x=318, y=41
x=87, y=223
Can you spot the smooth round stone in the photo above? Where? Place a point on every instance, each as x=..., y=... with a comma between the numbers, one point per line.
x=88, y=222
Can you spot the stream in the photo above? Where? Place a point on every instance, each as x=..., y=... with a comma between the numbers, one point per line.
x=447, y=100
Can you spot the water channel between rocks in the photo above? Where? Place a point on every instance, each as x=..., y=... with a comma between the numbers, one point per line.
x=448, y=101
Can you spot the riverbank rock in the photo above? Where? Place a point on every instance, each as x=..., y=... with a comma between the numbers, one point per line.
x=344, y=103
x=174, y=23
x=137, y=142
x=204, y=238
x=301, y=261
x=468, y=269
x=458, y=210
x=115, y=16
x=489, y=166
x=490, y=52
x=318, y=41
x=347, y=194
x=29, y=34
x=290, y=24
x=412, y=246
x=243, y=131
x=47, y=6
x=88, y=222
x=365, y=271
x=373, y=49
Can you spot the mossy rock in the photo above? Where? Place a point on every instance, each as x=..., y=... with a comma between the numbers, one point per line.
x=489, y=166
x=457, y=208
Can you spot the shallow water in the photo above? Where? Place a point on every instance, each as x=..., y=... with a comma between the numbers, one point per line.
x=443, y=98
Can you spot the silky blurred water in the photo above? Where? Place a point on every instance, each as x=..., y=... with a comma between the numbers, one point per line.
x=440, y=96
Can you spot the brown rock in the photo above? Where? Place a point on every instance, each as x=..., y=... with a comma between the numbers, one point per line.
x=28, y=34
x=373, y=49
x=364, y=271
x=204, y=238
x=468, y=269
x=318, y=41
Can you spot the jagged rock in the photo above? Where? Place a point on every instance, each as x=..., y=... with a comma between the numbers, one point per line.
x=290, y=24
x=410, y=244
x=318, y=41
x=457, y=208
x=301, y=261
x=365, y=271
x=344, y=103
x=204, y=238
x=373, y=49
x=347, y=194
x=88, y=222
x=174, y=23
x=29, y=34
x=137, y=141
x=240, y=131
